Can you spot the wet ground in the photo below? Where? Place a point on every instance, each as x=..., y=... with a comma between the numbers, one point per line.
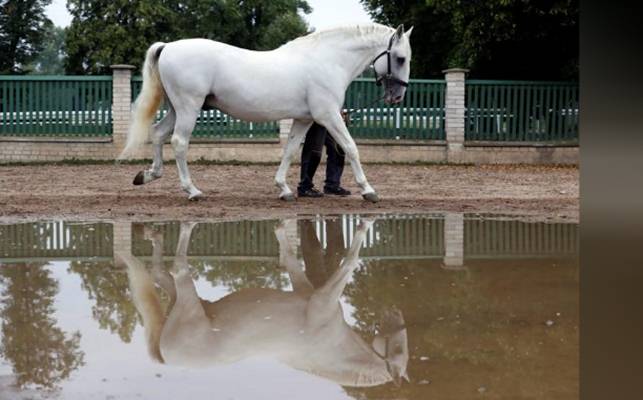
x=444, y=306
x=105, y=191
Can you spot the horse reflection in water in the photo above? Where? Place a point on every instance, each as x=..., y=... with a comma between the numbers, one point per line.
x=303, y=328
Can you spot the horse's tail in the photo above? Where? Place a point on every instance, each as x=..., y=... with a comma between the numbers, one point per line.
x=146, y=301
x=147, y=102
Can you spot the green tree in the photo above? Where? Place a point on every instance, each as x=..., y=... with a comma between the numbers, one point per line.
x=432, y=32
x=120, y=31
x=23, y=27
x=509, y=39
x=40, y=352
x=257, y=17
x=103, y=33
x=284, y=28
x=50, y=61
x=108, y=287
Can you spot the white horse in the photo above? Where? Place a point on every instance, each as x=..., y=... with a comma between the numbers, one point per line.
x=304, y=329
x=305, y=79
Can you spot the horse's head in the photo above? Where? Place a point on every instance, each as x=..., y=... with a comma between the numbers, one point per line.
x=391, y=344
x=393, y=65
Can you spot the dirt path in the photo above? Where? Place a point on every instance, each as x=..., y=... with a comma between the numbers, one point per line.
x=90, y=192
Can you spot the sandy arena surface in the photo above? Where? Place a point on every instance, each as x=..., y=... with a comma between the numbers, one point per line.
x=105, y=192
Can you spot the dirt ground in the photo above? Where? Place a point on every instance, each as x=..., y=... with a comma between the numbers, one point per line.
x=105, y=192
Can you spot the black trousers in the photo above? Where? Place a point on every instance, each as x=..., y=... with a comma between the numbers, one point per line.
x=320, y=264
x=316, y=137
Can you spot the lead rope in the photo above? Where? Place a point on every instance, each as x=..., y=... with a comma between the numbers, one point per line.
x=349, y=111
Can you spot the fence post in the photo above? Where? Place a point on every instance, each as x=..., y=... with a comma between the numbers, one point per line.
x=454, y=241
x=121, y=104
x=122, y=240
x=454, y=113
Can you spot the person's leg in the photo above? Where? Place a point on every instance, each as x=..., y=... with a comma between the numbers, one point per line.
x=335, y=250
x=334, y=167
x=312, y=253
x=311, y=157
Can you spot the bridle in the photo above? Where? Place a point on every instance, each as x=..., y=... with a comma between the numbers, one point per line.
x=386, y=354
x=388, y=78
x=383, y=78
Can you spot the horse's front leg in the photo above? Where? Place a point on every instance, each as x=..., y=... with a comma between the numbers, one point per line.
x=297, y=135
x=337, y=128
x=324, y=302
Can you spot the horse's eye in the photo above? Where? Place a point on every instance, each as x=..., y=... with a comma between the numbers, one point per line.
x=400, y=60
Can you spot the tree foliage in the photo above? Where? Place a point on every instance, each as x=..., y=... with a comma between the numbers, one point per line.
x=120, y=31
x=23, y=27
x=40, y=353
x=108, y=288
x=509, y=39
x=50, y=61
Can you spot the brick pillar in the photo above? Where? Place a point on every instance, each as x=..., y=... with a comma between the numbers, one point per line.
x=454, y=240
x=121, y=104
x=454, y=113
x=122, y=240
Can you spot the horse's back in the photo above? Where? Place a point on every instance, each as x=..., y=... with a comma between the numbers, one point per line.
x=251, y=85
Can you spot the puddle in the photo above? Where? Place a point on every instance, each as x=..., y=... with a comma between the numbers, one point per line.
x=398, y=307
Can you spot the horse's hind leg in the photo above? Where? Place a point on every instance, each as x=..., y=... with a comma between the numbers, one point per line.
x=161, y=277
x=297, y=135
x=185, y=122
x=160, y=132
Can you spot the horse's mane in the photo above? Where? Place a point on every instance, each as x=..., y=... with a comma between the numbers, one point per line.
x=342, y=31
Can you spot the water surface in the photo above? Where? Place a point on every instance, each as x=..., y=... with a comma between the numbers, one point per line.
x=462, y=306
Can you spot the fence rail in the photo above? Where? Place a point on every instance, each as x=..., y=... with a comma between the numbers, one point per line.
x=215, y=124
x=56, y=239
x=420, y=116
x=488, y=238
x=522, y=111
x=502, y=111
x=403, y=237
x=55, y=105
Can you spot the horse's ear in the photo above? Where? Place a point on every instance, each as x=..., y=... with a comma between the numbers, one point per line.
x=408, y=33
x=399, y=32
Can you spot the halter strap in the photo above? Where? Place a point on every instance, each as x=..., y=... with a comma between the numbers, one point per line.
x=384, y=357
x=389, y=75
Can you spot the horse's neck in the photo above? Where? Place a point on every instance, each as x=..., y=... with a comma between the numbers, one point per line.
x=353, y=49
x=342, y=355
x=359, y=53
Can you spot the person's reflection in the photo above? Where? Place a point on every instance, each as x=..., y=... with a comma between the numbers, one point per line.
x=321, y=264
x=303, y=328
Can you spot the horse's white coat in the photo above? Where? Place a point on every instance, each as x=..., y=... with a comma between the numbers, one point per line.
x=304, y=328
x=305, y=79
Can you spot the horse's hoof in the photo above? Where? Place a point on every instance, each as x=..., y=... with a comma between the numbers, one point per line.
x=139, y=179
x=372, y=197
x=198, y=195
x=287, y=197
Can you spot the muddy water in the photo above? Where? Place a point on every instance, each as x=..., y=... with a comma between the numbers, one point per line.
x=462, y=306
